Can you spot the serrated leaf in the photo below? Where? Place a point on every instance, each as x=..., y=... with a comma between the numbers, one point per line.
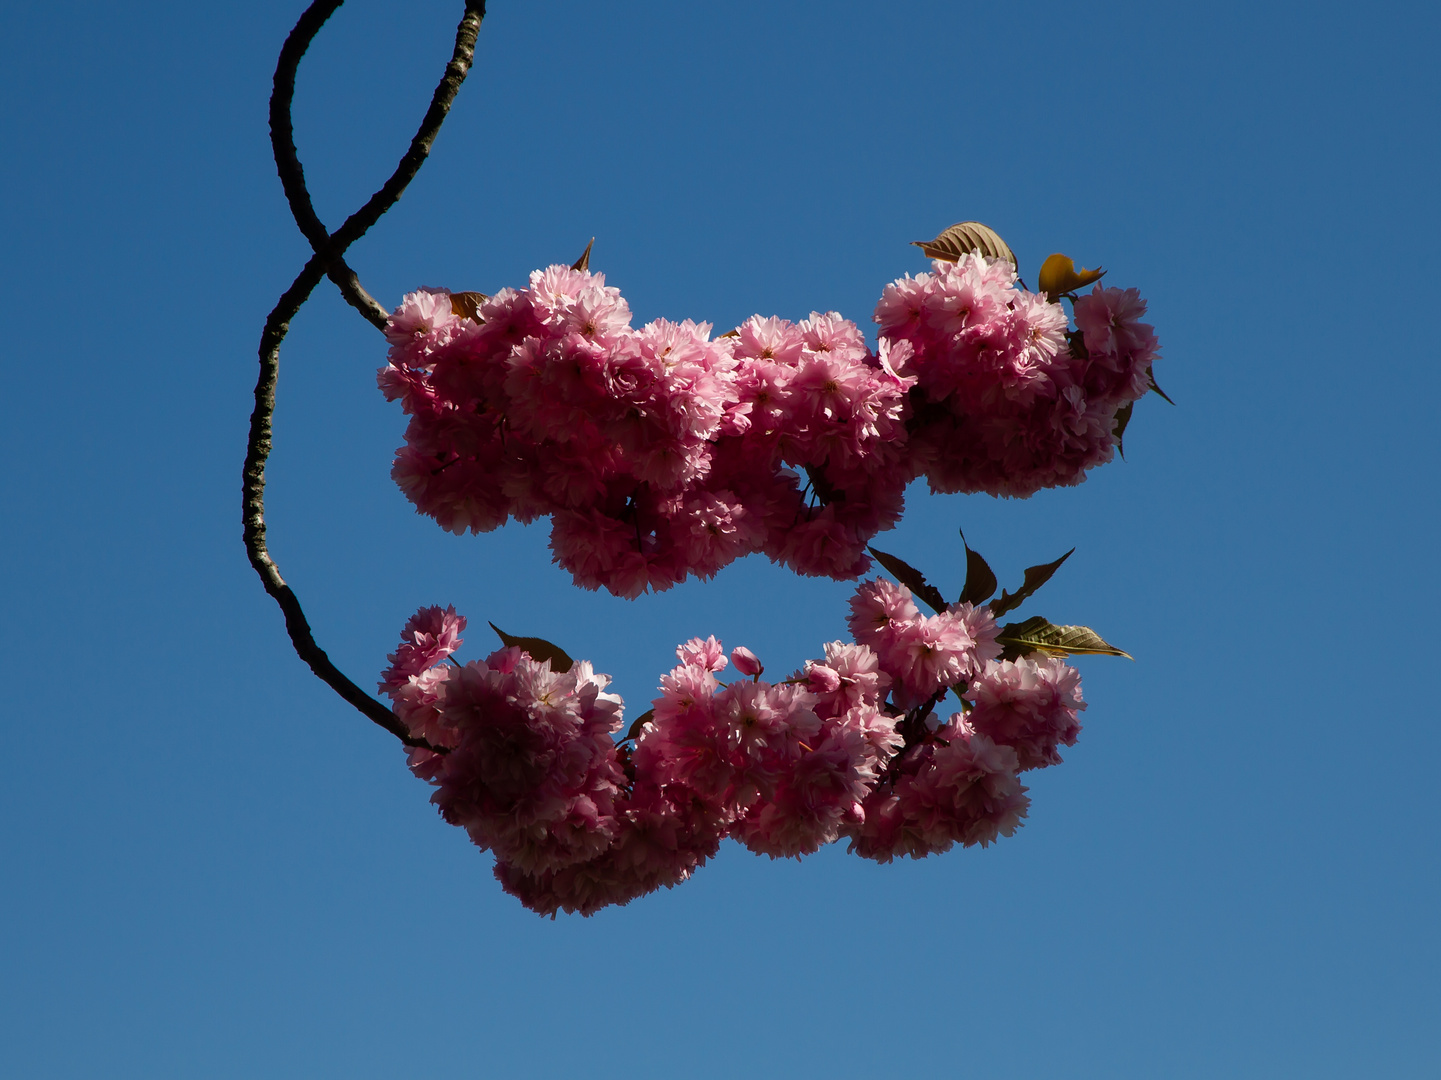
x=640, y=722
x=466, y=305
x=967, y=237
x=1059, y=275
x=1038, y=635
x=583, y=263
x=912, y=579
x=1123, y=419
x=1156, y=389
x=980, y=580
x=1036, y=576
x=539, y=649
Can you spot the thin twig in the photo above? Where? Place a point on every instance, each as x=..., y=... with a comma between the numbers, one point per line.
x=277, y=325
x=914, y=732
x=292, y=173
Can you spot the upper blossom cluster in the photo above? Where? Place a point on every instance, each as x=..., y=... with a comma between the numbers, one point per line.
x=526, y=760
x=1012, y=401
x=660, y=453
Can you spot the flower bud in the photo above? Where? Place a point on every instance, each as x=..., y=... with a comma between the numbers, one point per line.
x=745, y=661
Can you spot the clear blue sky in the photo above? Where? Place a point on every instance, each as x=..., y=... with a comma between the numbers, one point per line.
x=210, y=866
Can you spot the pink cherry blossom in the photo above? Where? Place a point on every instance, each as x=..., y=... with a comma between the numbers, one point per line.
x=1030, y=705
x=958, y=787
x=429, y=636
x=661, y=454
x=745, y=661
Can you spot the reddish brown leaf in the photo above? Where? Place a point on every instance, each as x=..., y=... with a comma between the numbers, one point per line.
x=912, y=579
x=1036, y=576
x=539, y=649
x=467, y=305
x=1059, y=275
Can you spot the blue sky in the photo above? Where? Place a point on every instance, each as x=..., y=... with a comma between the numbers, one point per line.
x=210, y=866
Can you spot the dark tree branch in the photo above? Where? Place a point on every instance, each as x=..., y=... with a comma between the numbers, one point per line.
x=455, y=72
x=287, y=162
x=329, y=255
x=257, y=452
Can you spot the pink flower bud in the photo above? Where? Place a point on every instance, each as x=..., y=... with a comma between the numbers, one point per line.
x=822, y=679
x=745, y=661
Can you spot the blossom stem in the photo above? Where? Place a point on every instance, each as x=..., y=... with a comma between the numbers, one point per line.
x=913, y=730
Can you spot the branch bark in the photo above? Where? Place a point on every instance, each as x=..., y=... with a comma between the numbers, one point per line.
x=328, y=260
x=292, y=173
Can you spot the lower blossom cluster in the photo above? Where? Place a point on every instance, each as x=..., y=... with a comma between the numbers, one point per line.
x=662, y=453
x=525, y=757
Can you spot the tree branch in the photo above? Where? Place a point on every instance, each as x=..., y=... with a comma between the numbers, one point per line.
x=440, y=102
x=287, y=162
x=328, y=255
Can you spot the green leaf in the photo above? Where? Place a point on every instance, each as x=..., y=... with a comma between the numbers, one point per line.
x=1157, y=389
x=980, y=580
x=1123, y=419
x=583, y=263
x=640, y=722
x=912, y=579
x=539, y=649
x=964, y=237
x=1038, y=635
x=1036, y=576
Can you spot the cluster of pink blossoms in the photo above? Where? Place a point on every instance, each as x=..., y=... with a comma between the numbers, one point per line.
x=526, y=758
x=660, y=453
x=1007, y=401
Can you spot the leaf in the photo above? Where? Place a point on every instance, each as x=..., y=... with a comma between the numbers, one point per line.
x=731, y=333
x=1123, y=419
x=980, y=580
x=1059, y=275
x=967, y=236
x=1036, y=576
x=640, y=722
x=823, y=487
x=539, y=649
x=1157, y=389
x=912, y=579
x=583, y=263
x=1038, y=635
x=467, y=305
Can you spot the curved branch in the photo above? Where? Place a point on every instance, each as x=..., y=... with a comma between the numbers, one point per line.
x=277, y=325
x=292, y=173
x=253, y=485
x=440, y=102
